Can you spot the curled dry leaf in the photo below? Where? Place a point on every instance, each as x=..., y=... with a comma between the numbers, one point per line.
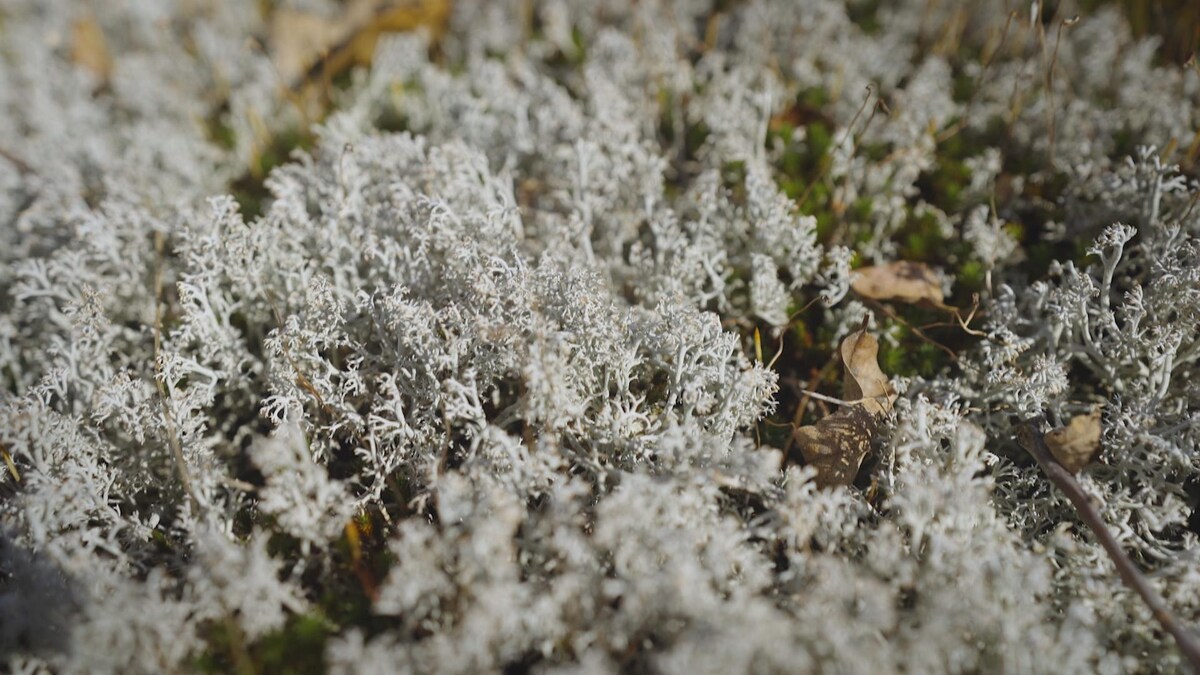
x=864, y=380
x=836, y=445
x=1076, y=444
x=900, y=281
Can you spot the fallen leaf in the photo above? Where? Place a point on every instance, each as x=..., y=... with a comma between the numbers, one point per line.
x=1076, y=444
x=299, y=38
x=900, y=281
x=837, y=444
x=307, y=45
x=89, y=50
x=864, y=379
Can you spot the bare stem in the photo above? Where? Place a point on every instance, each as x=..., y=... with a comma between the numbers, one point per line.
x=21, y=165
x=1030, y=437
x=164, y=395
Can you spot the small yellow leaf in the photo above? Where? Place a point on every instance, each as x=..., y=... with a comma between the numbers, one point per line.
x=89, y=50
x=353, y=541
x=900, y=281
x=12, y=466
x=1075, y=444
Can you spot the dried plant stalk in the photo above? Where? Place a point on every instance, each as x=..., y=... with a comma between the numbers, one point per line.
x=1031, y=438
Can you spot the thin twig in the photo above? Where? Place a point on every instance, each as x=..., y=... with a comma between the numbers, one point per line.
x=22, y=166
x=848, y=134
x=803, y=309
x=1066, y=23
x=916, y=331
x=959, y=321
x=958, y=126
x=160, y=381
x=838, y=202
x=302, y=380
x=778, y=352
x=239, y=485
x=1030, y=437
x=841, y=401
x=1192, y=202
x=800, y=409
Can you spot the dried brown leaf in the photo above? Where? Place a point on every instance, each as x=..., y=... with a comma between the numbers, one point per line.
x=836, y=445
x=1076, y=444
x=863, y=378
x=900, y=281
x=302, y=40
x=298, y=38
x=89, y=49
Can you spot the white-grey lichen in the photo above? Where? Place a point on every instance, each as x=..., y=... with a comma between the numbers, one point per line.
x=481, y=394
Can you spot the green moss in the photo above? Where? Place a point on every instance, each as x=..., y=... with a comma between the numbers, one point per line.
x=921, y=239
x=580, y=44
x=861, y=209
x=814, y=98
x=250, y=190
x=819, y=139
x=296, y=649
x=161, y=542
x=217, y=658
x=1125, y=142
x=866, y=15
x=964, y=87
x=791, y=162
x=697, y=136
x=912, y=356
x=970, y=277
x=392, y=120
x=875, y=152
x=220, y=132
x=945, y=184
x=801, y=163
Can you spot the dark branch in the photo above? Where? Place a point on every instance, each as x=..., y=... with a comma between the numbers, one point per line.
x=1030, y=437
